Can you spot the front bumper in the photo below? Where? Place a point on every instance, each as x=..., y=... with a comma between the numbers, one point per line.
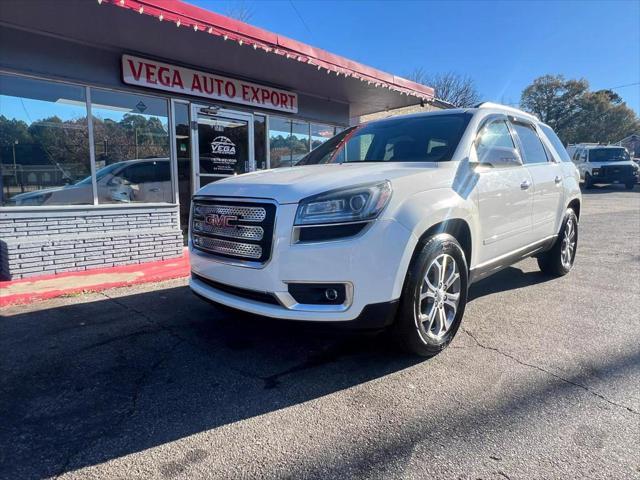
x=372, y=263
x=615, y=178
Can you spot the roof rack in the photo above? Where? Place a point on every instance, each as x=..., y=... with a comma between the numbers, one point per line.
x=507, y=108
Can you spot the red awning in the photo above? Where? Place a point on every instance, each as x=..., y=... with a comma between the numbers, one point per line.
x=198, y=19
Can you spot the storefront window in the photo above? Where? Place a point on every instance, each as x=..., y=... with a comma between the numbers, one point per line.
x=260, y=141
x=321, y=133
x=44, y=146
x=131, y=138
x=183, y=151
x=279, y=133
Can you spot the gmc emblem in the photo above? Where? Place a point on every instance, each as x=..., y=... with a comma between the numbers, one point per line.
x=216, y=220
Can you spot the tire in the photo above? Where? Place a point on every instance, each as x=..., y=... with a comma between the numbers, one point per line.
x=588, y=181
x=559, y=260
x=629, y=185
x=410, y=332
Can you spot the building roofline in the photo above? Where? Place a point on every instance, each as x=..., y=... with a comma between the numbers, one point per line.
x=185, y=15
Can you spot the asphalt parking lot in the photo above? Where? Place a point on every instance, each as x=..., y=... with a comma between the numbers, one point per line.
x=150, y=382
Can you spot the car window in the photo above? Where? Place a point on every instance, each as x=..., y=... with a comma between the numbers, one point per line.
x=608, y=155
x=139, y=173
x=428, y=138
x=162, y=171
x=495, y=134
x=557, y=144
x=533, y=150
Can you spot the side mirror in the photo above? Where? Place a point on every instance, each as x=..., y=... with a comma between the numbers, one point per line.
x=498, y=157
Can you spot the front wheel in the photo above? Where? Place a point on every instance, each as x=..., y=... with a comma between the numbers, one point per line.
x=588, y=181
x=433, y=298
x=559, y=260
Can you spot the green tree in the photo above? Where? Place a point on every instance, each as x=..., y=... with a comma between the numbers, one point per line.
x=555, y=101
x=577, y=114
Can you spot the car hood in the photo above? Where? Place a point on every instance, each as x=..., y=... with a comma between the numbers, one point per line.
x=612, y=164
x=38, y=193
x=292, y=184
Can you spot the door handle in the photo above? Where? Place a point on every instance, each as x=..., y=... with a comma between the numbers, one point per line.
x=525, y=185
x=558, y=179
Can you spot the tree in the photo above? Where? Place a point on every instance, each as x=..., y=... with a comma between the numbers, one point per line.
x=240, y=11
x=555, y=101
x=577, y=114
x=459, y=90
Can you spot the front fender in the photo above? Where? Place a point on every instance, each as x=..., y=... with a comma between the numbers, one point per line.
x=421, y=211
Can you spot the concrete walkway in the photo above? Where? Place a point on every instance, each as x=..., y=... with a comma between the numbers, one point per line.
x=26, y=290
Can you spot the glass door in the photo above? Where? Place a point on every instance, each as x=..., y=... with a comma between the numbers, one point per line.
x=222, y=144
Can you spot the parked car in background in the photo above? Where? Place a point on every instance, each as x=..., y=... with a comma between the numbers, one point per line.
x=146, y=180
x=388, y=223
x=604, y=164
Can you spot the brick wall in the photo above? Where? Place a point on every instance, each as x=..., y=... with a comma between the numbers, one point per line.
x=45, y=243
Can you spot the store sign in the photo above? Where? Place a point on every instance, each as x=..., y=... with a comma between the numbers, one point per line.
x=162, y=76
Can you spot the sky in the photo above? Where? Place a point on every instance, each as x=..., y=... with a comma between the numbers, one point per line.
x=502, y=46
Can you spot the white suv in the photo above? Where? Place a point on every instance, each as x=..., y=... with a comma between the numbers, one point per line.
x=388, y=223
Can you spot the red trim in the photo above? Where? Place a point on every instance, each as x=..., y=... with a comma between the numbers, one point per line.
x=139, y=273
x=206, y=21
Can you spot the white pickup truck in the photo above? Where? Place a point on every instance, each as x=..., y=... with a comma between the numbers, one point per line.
x=388, y=223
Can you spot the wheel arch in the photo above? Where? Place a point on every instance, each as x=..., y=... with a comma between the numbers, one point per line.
x=575, y=206
x=458, y=228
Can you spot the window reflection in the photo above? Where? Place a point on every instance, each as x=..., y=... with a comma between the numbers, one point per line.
x=279, y=133
x=44, y=146
x=291, y=140
x=260, y=141
x=131, y=138
x=320, y=134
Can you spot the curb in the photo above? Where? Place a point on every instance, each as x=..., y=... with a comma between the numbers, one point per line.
x=28, y=290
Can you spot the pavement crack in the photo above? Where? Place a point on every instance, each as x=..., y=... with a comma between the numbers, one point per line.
x=144, y=315
x=138, y=384
x=117, y=339
x=548, y=372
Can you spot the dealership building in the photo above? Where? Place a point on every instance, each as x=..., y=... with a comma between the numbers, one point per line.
x=114, y=112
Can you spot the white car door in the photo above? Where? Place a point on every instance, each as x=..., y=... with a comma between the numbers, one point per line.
x=504, y=194
x=547, y=180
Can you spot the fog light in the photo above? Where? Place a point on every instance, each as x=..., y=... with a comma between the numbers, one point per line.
x=319, y=293
x=331, y=294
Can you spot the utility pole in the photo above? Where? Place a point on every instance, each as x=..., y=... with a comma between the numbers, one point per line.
x=15, y=167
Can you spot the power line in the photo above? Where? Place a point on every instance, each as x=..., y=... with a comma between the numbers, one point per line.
x=300, y=17
x=625, y=85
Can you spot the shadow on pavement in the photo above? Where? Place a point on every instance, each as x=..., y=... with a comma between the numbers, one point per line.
x=85, y=383
x=511, y=278
x=599, y=189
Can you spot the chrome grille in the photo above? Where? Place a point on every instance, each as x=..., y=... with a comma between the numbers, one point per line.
x=245, y=250
x=247, y=214
x=231, y=228
x=246, y=232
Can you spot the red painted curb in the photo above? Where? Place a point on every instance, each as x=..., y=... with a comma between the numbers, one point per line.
x=149, y=272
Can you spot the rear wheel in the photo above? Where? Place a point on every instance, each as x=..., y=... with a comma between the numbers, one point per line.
x=559, y=260
x=434, y=297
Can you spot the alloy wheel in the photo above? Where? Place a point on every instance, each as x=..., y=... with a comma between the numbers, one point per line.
x=439, y=296
x=568, y=244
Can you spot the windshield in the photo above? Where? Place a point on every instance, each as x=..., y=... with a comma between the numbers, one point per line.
x=608, y=155
x=428, y=138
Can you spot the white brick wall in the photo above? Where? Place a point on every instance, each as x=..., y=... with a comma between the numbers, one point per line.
x=45, y=243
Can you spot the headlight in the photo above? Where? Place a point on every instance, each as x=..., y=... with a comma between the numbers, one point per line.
x=352, y=204
x=595, y=171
